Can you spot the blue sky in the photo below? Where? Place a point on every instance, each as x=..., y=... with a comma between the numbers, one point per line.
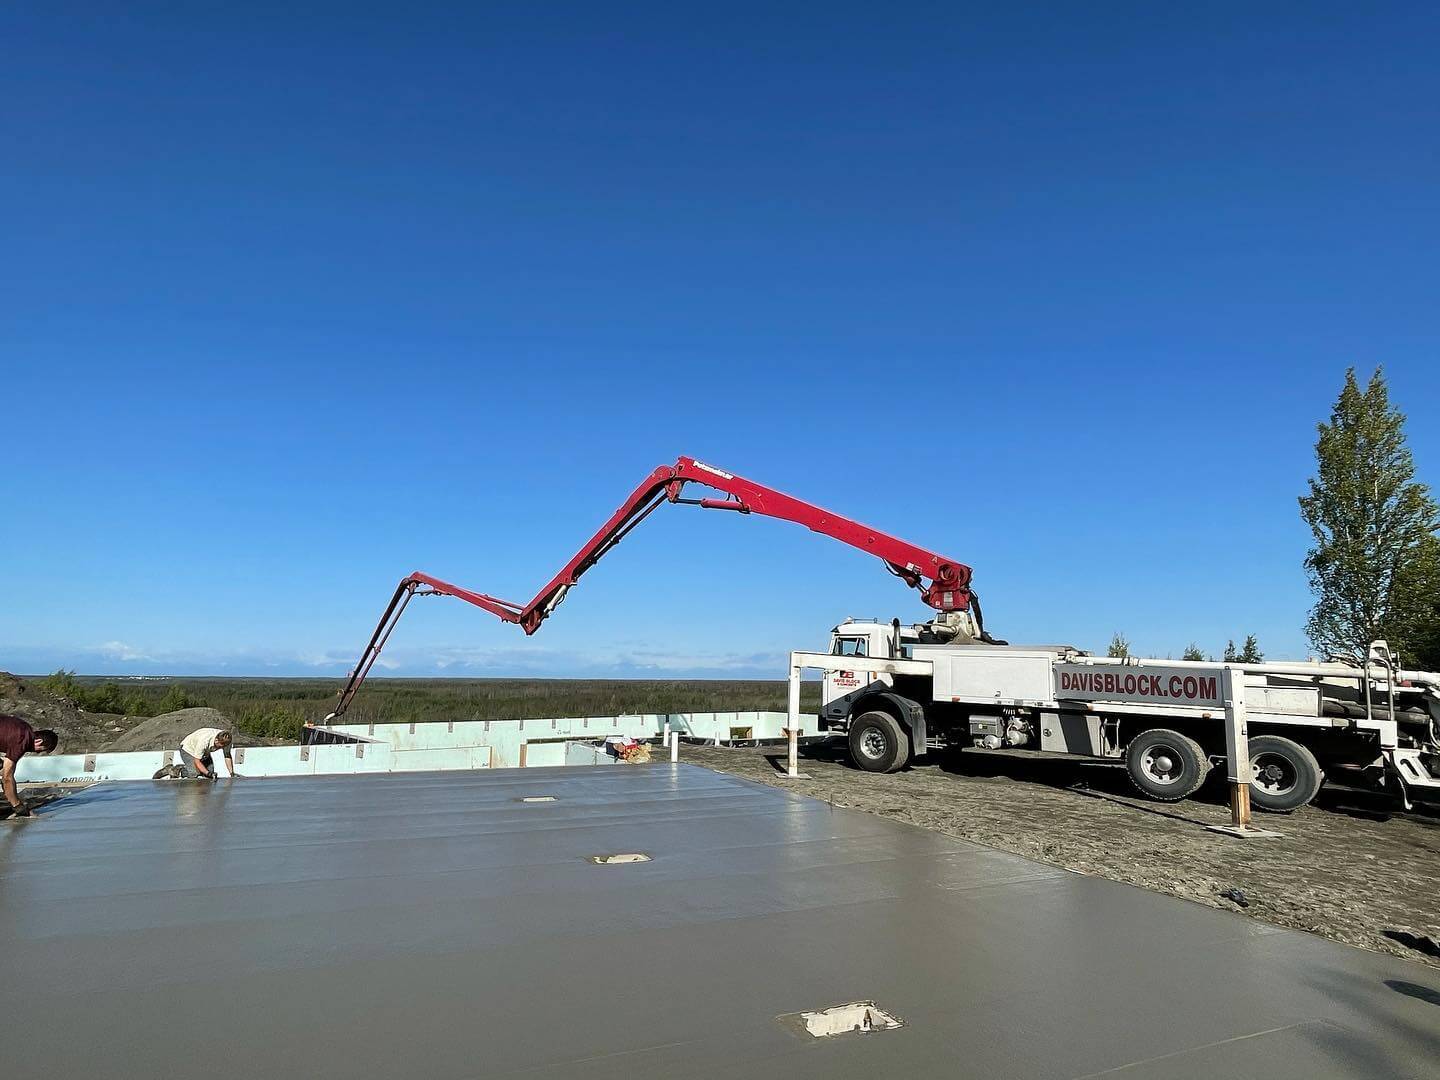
x=295, y=299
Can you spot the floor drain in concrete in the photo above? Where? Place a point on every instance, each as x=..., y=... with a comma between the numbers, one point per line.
x=858, y=1017
x=621, y=857
x=537, y=798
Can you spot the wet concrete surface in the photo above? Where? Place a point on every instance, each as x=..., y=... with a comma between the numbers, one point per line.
x=434, y=925
x=1352, y=867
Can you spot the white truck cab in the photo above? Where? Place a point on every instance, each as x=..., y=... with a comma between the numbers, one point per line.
x=862, y=641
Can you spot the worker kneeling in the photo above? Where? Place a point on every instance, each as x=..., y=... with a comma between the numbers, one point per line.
x=197, y=750
x=17, y=738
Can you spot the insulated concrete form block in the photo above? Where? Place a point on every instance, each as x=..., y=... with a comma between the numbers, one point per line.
x=442, y=758
x=499, y=744
x=579, y=753
x=544, y=753
x=70, y=768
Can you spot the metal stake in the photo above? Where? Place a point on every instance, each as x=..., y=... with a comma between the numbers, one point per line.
x=1238, y=770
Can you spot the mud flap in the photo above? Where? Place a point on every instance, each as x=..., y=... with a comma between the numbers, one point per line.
x=911, y=715
x=918, y=731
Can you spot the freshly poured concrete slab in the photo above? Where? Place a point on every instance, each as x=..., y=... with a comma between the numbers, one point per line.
x=437, y=925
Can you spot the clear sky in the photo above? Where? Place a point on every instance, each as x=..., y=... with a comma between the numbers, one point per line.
x=297, y=298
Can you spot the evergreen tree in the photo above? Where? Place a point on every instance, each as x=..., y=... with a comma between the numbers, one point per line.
x=1231, y=656
x=1375, y=564
x=1192, y=652
x=1119, y=647
x=1250, y=652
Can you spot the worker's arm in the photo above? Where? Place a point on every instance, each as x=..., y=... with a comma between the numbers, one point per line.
x=229, y=763
x=202, y=767
x=12, y=795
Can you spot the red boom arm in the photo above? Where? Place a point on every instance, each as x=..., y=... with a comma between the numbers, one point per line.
x=944, y=584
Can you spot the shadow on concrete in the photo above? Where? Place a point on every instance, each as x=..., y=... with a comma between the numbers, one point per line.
x=1414, y=990
x=1409, y=1036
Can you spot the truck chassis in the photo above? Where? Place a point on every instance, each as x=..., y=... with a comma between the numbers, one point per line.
x=895, y=692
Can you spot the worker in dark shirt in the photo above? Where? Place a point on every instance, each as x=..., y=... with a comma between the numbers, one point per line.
x=17, y=738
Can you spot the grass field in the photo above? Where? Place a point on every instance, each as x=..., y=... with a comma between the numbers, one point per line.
x=278, y=707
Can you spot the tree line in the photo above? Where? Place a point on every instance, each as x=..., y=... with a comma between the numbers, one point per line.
x=1374, y=561
x=109, y=697
x=1248, y=653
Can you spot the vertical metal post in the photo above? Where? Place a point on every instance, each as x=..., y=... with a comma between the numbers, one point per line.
x=792, y=706
x=1237, y=745
x=674, y=747
x=794, y=736
x=666, y=739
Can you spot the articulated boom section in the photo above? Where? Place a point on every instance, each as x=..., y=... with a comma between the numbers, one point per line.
x=944, y=584
x=948, y=587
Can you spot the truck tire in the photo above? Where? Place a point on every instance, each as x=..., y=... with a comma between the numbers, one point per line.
x=1166, y=765
x=1287, y=776
x=878, y=743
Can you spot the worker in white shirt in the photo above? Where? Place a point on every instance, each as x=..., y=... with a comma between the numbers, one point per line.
x=196, y=749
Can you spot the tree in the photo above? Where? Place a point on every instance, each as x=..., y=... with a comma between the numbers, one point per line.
x=1231, y=656
x=1415, y=629
x=1119, y=646
x=1192, y=652
x=174, y=699
x=61, y=683
x=1375, y=564
x=1250, y=652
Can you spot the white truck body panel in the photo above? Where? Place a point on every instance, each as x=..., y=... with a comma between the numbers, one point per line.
x=1296, y=700
x=984, y=673
x=1144, y=683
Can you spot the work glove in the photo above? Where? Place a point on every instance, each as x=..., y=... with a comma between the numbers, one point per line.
x=23, y=810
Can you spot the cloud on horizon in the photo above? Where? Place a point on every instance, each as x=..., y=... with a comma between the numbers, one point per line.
x=119, y=652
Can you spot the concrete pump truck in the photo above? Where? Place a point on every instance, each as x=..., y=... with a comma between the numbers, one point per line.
x=897, y=691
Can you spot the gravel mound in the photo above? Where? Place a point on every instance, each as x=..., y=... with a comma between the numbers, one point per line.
x=165, y=731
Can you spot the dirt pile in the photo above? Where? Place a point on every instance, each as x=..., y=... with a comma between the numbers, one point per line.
x=79, y=731
x=165, y=731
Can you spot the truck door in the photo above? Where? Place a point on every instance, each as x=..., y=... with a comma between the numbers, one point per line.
x=843, y=685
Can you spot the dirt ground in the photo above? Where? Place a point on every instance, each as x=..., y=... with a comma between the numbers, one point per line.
x=80, y=732
x=1349, y=867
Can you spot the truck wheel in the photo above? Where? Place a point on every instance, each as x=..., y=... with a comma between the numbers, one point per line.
x=878, y=743
x=1166, y=765
x=1287, y=776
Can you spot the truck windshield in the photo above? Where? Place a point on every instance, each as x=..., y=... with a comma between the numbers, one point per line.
x=851, y=646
